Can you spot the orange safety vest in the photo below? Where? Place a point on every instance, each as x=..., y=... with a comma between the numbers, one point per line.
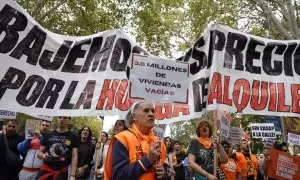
x=131, y=143
x=242, y=162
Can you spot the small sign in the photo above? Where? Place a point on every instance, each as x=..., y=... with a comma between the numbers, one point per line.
x=276, y=121
x=268, y=143
x=235, y=135
x=263, y=130
x=159, y=130
x=158, y=79
x=46, y=118
x=7, y=114
x=293, y=139
x=32, y=127
x=225, y=125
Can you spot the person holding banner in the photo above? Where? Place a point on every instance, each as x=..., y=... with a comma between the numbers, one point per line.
x=136, y=153
x=231, y=169
x=58, y=150
x=201, y=153
x=30, y=147
x=247, y=162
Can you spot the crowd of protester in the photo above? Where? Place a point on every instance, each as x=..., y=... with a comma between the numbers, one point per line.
x=131, y=152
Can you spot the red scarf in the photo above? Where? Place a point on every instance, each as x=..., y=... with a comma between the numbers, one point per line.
x=51, y=172
x=205, y=141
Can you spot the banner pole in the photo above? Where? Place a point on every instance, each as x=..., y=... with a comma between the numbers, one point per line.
x=283, y=133
x=215, y=128
x=98, y=146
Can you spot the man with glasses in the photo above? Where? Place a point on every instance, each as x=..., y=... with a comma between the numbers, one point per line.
x=231, y=169
x=30, y=147
x=58, y=150
x=8, y=171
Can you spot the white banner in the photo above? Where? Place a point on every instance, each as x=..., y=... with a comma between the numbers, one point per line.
x=263, y=130
x=294, y=139
x=159, y=80
x=57, y=75
x=7, y=114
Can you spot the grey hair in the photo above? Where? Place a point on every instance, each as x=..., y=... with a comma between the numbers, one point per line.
x=129, y=119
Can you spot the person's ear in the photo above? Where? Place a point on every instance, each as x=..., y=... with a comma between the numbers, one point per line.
x=133, y=116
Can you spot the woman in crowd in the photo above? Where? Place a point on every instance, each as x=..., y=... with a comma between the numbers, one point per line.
x=201, y=153
x=85, y=153
x=94, y=140
x=136, y=153
x=102, y=153
x=119, y=126
x=171, y=158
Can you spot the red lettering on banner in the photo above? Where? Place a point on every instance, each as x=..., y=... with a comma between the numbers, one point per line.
x=215, y=89
x=263, y=94
x=241, y=83
x=281, y=107
x=273, y=97
x=168, y=111
x=226, y=99
x=159, y=115
x=295, y=98
x=121, y=103
x=178, y=109
x=107, y=93
x=255, y=104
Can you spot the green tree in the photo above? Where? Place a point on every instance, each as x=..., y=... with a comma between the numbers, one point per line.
x=183, y=131
x=78, y=122
x=167, y=26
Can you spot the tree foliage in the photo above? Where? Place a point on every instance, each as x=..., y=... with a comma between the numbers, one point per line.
x=166, y=27
x=77, y=123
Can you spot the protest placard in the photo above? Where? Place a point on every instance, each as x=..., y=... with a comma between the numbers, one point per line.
x=158, y=79
x=293, y=139
x=283, y=165
x=7, y=114
x=224, y=119
x=32, y=127
x=159, y=130
x=41, y=117
x=269, y=142
x=263, y=130
x=276, y=121
x=235, y=135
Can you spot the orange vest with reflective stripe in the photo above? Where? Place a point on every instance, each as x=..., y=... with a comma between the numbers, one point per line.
x=242, y=162
x=131, y=143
